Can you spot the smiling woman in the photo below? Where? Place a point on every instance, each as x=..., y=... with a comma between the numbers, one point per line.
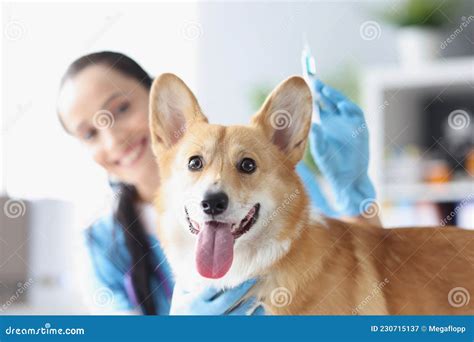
x=103, y=102
x=107, y=109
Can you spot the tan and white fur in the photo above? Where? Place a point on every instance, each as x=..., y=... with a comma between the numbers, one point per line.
x=305, y=263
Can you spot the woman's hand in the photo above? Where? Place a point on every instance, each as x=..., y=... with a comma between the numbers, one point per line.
x=340, y=148
x=211, y=301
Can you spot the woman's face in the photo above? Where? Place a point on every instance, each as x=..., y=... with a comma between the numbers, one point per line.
x=108, y=112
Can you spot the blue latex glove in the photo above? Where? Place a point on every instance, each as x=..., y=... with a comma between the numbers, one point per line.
x=318, y=199
x=211, y=301
x=340, y=148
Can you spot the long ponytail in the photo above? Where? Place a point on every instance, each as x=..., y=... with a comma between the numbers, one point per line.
x=138, y=246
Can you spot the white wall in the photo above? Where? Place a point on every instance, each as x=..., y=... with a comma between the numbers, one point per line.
x=40, y=40
x=244, y=44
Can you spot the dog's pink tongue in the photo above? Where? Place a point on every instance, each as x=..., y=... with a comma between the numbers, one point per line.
x=214, y=250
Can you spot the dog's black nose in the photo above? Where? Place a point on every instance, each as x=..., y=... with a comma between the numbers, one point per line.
x=215, y=203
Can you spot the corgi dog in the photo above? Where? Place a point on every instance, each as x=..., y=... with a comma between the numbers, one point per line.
x=231, y=207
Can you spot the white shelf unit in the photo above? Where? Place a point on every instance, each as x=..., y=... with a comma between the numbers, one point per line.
x=454, y=191
x=390, y=99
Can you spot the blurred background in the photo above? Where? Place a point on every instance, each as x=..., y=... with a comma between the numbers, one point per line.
x=408, y=64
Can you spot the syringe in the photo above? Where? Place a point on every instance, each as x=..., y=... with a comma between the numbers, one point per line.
x=309, y=74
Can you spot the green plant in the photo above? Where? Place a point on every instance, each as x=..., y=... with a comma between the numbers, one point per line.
x=258, y=94
x=428, y=13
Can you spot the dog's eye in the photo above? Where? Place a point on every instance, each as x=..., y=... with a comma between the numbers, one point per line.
x=195, y=163
x=247, y=165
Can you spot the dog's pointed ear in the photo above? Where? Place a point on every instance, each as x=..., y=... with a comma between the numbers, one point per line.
x=285, y=117
x=173, y=108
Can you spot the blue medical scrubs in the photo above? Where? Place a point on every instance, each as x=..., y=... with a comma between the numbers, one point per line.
x=111, y=261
